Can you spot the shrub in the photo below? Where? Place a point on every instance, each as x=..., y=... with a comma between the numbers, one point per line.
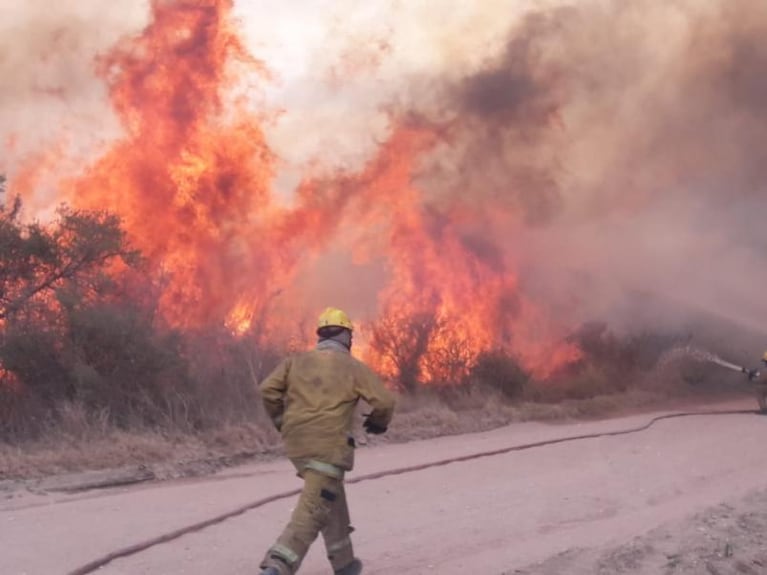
x=498, y=370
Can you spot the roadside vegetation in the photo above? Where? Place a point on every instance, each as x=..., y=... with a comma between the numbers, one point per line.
x=92, y=377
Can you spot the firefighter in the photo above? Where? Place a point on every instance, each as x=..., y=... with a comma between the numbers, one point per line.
x=760, y=385
x=310, y=398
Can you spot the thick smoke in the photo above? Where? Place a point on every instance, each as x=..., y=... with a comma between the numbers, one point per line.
x=631, y=139
x=53, y=104
x=615, y=151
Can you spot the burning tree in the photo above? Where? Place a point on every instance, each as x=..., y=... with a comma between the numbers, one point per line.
x=80, y=330
x=411, y=349
x=49, y=274
x=401, y=343
x=36, y=260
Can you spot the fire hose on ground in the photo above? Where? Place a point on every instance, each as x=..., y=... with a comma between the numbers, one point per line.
x=170, y=536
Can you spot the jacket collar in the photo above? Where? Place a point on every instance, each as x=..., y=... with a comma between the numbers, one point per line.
x=331, y=344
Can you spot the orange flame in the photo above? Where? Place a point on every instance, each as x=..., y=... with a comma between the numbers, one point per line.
x=440, y=271
x=193, y=177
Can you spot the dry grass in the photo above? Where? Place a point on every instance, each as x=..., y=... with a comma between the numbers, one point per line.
x=67, y=453
x=87, y=442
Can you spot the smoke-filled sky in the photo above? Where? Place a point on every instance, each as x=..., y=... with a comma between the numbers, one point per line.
x=624, y=141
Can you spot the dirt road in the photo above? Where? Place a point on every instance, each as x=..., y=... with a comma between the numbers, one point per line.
x=565, y=508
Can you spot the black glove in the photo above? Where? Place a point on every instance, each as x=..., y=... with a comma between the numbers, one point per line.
x=371, y=427
x=752, y=374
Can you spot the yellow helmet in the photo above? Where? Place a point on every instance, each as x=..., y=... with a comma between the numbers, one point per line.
x=764, y=357
x=334, y=317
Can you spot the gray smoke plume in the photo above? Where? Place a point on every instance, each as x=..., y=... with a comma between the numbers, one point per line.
x=49, y=92
x=631, y=140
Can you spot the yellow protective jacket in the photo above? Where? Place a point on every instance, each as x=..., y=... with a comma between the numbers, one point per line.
x=311, y=398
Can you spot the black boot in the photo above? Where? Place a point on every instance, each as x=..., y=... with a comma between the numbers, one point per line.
x=353, y=568
x=274, y=565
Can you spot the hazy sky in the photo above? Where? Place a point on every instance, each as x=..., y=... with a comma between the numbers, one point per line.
x=336, y=62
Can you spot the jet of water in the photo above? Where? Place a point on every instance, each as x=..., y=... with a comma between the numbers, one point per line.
x=705, y=356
